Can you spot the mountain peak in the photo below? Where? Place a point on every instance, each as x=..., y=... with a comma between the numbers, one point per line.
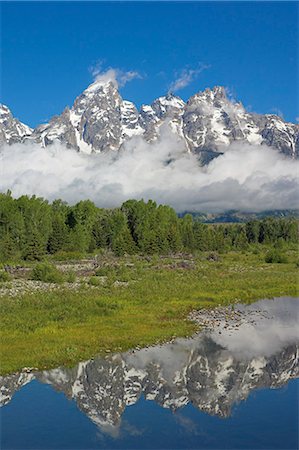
x=100, y=120
x=103, y=84
x=4, y=110
x=219, y=91
x=12, y=130
x=169, y=101
x=216, y=93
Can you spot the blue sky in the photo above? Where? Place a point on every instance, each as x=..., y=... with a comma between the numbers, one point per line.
x=48, y=50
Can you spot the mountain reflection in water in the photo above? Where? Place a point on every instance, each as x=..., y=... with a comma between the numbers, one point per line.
x=214, y=370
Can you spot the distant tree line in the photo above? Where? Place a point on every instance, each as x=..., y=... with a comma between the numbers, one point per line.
x=31, y=227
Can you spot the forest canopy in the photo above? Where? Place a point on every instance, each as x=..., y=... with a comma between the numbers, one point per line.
x=31, y=227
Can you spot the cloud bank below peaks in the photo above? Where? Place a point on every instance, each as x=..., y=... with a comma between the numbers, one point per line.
x=245, y=177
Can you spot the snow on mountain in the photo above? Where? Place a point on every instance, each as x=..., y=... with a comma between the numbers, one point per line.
x=100, y=121
x=11, y=129
x=167, y=109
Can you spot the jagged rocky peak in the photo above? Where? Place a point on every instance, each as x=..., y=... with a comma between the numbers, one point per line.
x=168, y=104
x=4, y=112
x=209, y=99
x=100, y=121
x=130, y=125
x=96, y=116
x=91, y=125
x=214, y=94
x=281, y=135
x=212, y=121
x=167, y=109
x=12, y=130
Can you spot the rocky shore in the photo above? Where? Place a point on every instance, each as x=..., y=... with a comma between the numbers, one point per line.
x=227, y=317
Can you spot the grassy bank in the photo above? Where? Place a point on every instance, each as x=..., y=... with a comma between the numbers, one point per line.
x=133, y=301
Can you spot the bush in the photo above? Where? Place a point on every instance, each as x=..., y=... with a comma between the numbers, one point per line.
x=104, y=271
x=4, y=276
x=94, y=281
x=124, y=274
x=121, y=273
x=71, y=277
x=274, y=256
x=47, y=273
x=255, y=249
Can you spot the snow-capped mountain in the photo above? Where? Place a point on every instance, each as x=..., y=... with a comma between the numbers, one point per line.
x=11, y=129
x=100, y=120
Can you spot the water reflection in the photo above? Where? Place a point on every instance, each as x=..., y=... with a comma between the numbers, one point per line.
x=214, y=371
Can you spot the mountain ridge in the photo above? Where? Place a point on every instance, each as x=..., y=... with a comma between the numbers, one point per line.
x=100, y=120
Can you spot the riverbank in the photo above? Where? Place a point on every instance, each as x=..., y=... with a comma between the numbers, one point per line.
x=121, y=303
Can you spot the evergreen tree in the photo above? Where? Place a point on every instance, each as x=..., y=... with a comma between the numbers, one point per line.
x=253, y=231
x=34, y=248
x=187, y=232
x=8, y=248
x=241, y=242
x=37, y=216
x=201, y=236
x=120, y=239
x=78, y=239
x=219, y=238
x=30, y=226
x=58, y=238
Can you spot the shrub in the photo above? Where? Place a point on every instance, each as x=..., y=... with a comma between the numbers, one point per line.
x=255, y=249
x=4, y=276
x=47, y=273
x=121, y=273
x=95, y=281
x=104, y=271
x=279, y=244
x=71, y=277
x=274, y=256
x=124, y=274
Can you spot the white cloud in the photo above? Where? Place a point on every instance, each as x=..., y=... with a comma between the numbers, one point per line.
x=249, y=178
x=185, y=77
x=117, y=76
x=125, y=77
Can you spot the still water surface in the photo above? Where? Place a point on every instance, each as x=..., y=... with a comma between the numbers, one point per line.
x=234, y=387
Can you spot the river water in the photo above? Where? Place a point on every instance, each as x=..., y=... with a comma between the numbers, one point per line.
x=233, y=387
